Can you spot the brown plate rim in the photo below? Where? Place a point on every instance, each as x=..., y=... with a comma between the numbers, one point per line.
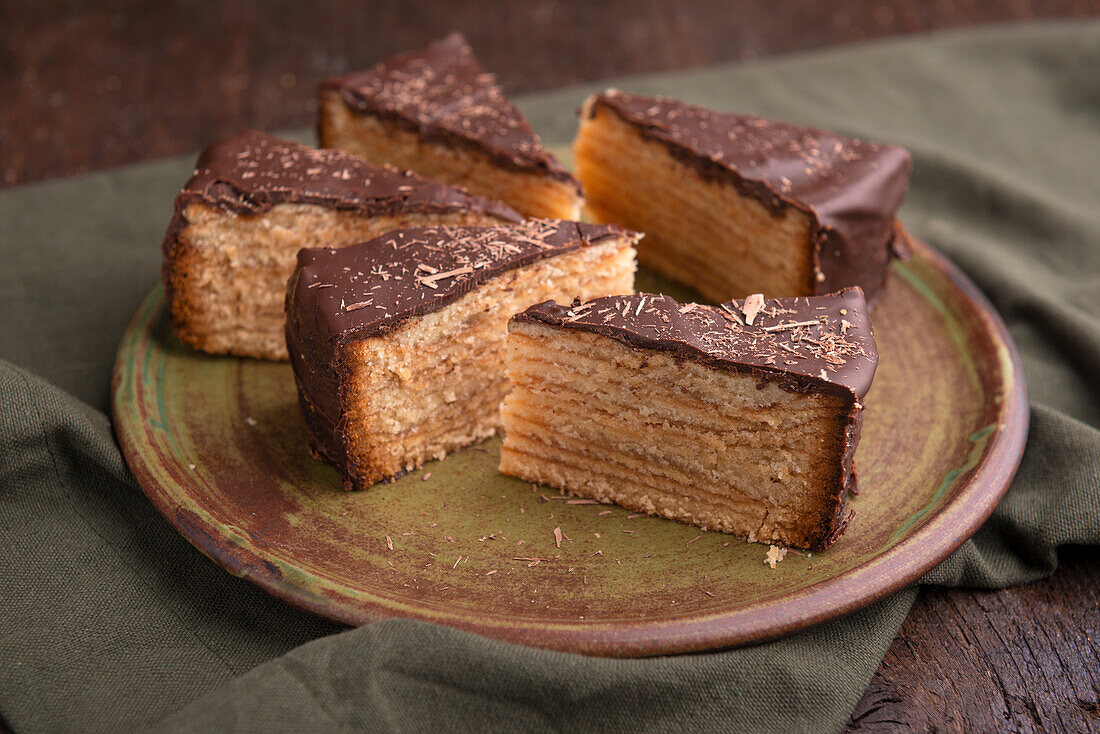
x=948, y=527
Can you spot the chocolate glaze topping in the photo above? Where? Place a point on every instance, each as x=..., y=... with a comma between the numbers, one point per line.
x=252, y=171
x=850, y=188
x=443, y=93
x=818, y=344
x=336, y=296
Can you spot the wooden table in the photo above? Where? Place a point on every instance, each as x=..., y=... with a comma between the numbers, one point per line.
x=83, y=87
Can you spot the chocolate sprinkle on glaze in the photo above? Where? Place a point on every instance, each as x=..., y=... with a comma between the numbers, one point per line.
x=816, y=343
x=252, y=171
x=820, y=344
x=338, y=296
x=443, y=93
x=850, y=188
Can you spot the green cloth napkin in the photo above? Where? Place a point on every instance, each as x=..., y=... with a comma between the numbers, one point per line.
x=109, y=621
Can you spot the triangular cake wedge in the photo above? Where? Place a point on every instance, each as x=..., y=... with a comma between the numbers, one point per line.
x=736, y=204
x=742, y=418
x=253, y=202
x=439, y=113
x=397, y=344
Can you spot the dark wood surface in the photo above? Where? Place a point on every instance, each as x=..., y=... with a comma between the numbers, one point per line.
x=86, y=86
x=1024, y=659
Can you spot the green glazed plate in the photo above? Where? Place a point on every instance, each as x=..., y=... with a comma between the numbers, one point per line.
x=220, y=448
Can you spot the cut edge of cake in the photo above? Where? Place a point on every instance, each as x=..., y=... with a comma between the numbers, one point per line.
x=398, y=359
x=742, y=418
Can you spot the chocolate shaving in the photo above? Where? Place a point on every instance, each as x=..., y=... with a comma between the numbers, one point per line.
x=752, y=306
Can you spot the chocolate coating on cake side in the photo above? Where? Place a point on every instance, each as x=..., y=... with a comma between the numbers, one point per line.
x=336, y=296
x=851, y=189
x=443, y=93
x=820, y=344
x=252, y=171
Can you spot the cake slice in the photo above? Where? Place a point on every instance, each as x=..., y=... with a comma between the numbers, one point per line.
x=397, y=344
x=253, y=202
x=439, y=113
x=735, y=204
x=742, y=418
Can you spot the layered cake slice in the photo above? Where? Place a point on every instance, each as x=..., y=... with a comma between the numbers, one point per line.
x=439, y=113
x=742, y=417
x=735, y=204
x=253, y=202
x=397, y=344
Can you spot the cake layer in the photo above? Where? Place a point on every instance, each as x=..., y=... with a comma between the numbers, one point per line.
x=253, y=202
x=439, y=113
x=399, y=358
x=692, y=446
x=742, y=418
x=737, y=204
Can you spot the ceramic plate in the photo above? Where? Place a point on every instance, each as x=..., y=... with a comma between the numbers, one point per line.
x=219, y=446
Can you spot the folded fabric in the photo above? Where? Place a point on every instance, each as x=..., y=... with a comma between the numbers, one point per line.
x=110, y=621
